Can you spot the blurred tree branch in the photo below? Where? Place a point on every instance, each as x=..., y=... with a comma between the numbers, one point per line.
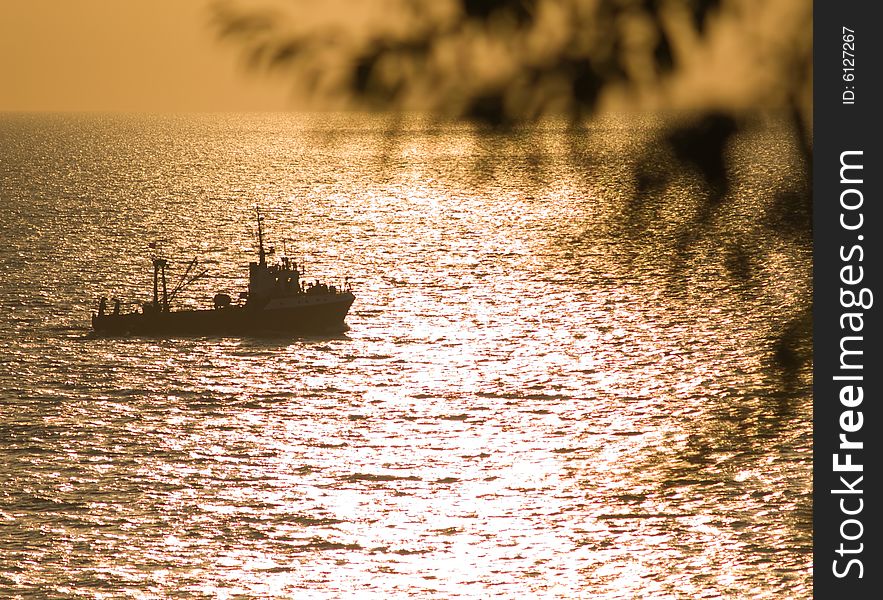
x=509, y=62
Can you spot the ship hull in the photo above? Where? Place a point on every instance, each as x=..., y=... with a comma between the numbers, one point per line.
x=310, y=315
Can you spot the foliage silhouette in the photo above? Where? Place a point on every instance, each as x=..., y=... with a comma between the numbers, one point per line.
x=504, y=63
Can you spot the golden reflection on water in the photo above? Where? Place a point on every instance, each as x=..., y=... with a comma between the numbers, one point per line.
x=525, y=404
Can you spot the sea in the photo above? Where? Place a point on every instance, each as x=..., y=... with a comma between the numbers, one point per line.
x=552, y=385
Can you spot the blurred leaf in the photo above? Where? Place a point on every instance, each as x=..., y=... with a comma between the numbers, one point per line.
x=284, y=53
x=586, y=84
x=700, y=10
x=363, y=71
x=232, y=24
x=488, y=108
x=737, y=261
x=790, y=213
x=522, y=10
x=791, y=349
x=703, y=145
x=662, y=54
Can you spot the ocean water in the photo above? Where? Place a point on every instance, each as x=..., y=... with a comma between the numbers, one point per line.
x=536, y=396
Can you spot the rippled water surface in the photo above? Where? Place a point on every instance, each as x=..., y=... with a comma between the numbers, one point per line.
x=534, y=399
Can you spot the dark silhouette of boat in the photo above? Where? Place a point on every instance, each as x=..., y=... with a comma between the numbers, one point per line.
x=277, y=301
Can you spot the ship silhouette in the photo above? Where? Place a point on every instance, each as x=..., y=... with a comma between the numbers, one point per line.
x=277, y=301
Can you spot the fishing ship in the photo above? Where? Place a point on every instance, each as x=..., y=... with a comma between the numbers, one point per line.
x=278, y=301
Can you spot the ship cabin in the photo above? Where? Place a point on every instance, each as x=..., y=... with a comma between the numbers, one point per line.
x=282, y=280
x=272, y=281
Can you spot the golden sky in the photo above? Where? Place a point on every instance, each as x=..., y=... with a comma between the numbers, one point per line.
x=166, y=55
x=138, y=55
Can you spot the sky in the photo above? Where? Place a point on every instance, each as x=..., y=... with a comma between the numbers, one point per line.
x=129, y=55
x=166, y=55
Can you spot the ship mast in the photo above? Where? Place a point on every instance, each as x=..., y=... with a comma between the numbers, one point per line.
x=262, y=257
x=159, y=273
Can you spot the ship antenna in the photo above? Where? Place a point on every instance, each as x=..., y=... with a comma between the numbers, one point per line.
x=262, y=256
